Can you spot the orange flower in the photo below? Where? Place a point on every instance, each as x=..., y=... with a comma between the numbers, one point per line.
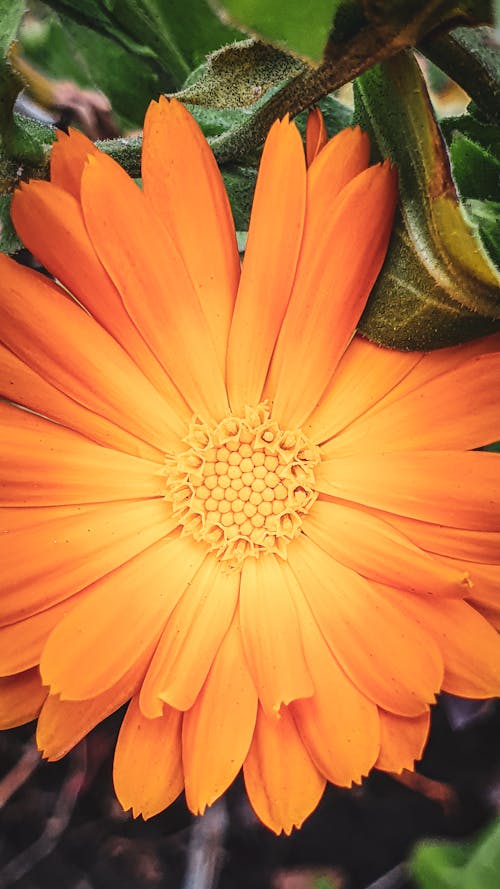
x=271, y=538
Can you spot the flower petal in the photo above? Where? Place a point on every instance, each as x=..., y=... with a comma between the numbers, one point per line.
x=67, y=159
x=20, y=384
x=62, y=343
x=272, y=249
x=71, y=548
x=46, y=465
x=217, y=731
x=62, y=724
x=21, y=643
x=316, y=135
x=469, y=644
x=272, y=635
x=282, y=783
x=365, y=374
x=129, y=606
x=338, y=265
x=444, y=487
x=182, y=181
x=402, y=741
x=338, y=725
x=159, y=296
x=21, y=697
x=50, y=223
x=190, y=640
x=147, y=769
x=374, y=548
x=471, y=546
x=386, y=654
x=432, y=416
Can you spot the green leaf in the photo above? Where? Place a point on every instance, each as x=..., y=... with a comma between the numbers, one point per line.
x=171, y=37
x=438, y=286
x=238, y=75
x=467, y=865
x=9, y=242
x=486, y=215
x=11, y=13
x=302, y=28
x=240, y=187
x=306, y=28
x=476, y=171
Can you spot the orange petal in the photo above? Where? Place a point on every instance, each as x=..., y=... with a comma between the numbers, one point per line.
x=62, y=724
x=62, y=343
x=340, y=259
x=21, y=643
x=385, y=554
x=67, y=159
x=145, y=266
x=20, y=384
x=470, y=546
x=438, y=362
x=147, y=769
x=343, y=738
x=47, y=465
x=432, y=416
x=444, y=487
x=272, y=635
x=402, y=741
x=469, y=645
x=190, y=639
x=271, y=253
x=21, y=697
x=128, y=607
x=217, y=731
x=385, y=653
x=316, y=135
x=71, y=548
x=282, y=783
x=365, y=374
x=50, y=223
x=182, y=181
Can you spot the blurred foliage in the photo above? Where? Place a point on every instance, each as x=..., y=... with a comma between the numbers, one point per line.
x=467, y=865
x=305, y=29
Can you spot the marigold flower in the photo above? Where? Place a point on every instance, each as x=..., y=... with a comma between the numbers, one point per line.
x=271, y=538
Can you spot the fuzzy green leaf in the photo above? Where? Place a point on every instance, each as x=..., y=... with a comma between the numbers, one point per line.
x=238, y=75
x=438, y=285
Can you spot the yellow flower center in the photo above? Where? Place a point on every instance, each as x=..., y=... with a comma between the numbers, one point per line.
x=243, y=485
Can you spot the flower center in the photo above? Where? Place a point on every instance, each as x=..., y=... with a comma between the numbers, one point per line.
x=243, y=485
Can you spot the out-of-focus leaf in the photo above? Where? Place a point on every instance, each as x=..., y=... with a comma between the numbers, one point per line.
x=172, y=37
x=468, y=865
x=306, y=28
x=9, y=242
x=238, y=75
x=470, y=57
x=62, y=48
x=302, y=28
x=438, y=286
x=11, y=13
